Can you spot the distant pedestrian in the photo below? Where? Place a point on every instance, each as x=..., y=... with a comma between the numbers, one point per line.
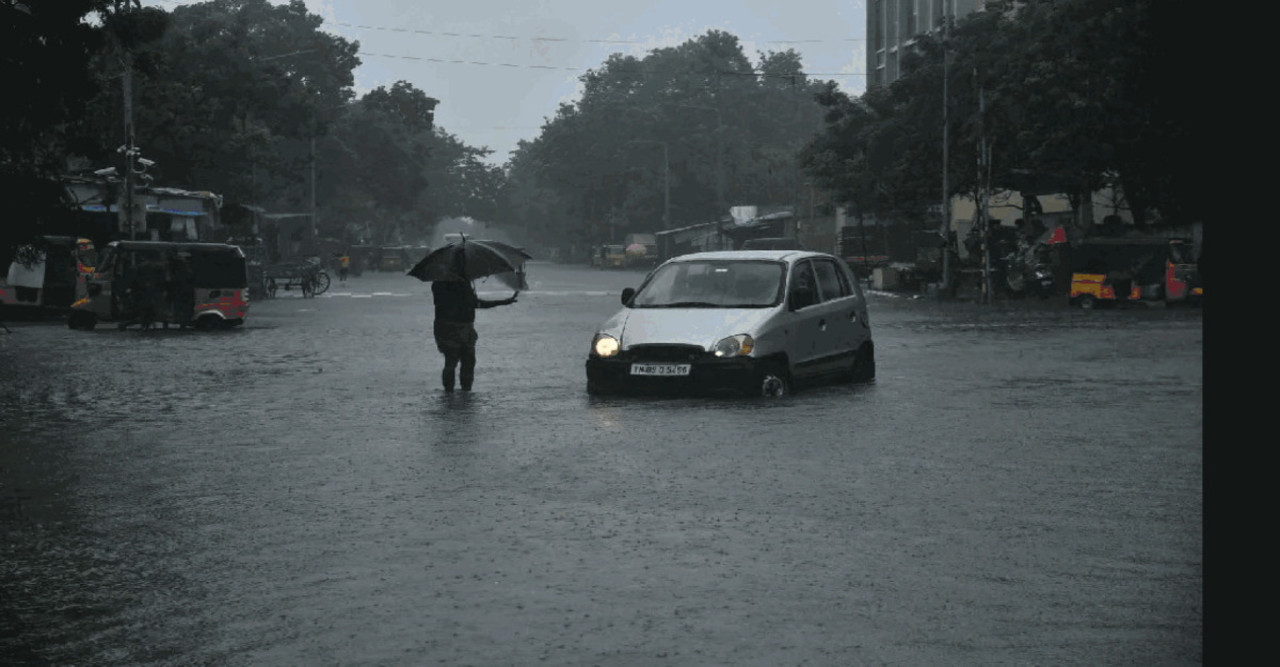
x=454, y=328
x=344, y=265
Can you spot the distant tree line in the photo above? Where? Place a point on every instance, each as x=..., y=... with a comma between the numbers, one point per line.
x=672, y=138
x=230, y=96
x=1069, y=96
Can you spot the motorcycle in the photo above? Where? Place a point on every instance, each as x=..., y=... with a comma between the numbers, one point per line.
x=1028, y=271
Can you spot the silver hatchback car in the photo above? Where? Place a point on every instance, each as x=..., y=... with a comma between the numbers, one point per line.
x=759, y=322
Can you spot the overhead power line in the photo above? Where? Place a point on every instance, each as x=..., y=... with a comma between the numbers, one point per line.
x=452, y=61
x=443, y=33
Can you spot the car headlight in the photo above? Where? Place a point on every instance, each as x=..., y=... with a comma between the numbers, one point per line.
x=734, y=346
x=604, y=345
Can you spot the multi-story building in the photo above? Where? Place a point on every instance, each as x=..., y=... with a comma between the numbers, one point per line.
x=892, y=28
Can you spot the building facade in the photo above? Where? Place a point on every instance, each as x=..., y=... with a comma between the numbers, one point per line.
x=892, y=28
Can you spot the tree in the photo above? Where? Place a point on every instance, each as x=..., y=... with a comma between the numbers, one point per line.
x=219, y=95
x=46, y=55
x=1068, y=93
x=729, y=132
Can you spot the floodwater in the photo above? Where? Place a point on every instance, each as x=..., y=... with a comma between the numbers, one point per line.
x=1022, y=484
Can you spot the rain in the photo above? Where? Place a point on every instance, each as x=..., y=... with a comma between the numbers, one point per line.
x=737, y=354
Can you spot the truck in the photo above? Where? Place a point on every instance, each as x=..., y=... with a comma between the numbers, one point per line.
x=864, y=248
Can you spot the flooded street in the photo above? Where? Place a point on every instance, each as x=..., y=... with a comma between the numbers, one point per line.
x=1022, y=484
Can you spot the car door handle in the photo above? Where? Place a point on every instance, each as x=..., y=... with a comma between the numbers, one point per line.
x=822, y=325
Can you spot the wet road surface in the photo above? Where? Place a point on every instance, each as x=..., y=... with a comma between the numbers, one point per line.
x=1022, y=484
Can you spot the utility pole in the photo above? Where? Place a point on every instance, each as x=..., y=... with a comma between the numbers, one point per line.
x=128, y=145
x=666, y=179
x=314, y=213
x=946, y=145
x=666, y=188
x=719, y=153
x=984, y=181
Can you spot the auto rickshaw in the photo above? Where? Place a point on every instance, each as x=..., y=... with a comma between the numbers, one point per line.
x=202, y=285
x=1108, y=271
x=610, y=257
x=46, y=273
x=394, y=258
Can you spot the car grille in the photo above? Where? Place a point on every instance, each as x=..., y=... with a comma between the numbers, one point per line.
x=674, y=353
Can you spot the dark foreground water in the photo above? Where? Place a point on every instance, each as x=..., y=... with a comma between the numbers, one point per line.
x=1023, y=484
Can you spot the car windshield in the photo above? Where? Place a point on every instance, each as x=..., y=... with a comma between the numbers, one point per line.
x=713, y=284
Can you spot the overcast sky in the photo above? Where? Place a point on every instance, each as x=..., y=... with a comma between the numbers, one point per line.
x=522, y=58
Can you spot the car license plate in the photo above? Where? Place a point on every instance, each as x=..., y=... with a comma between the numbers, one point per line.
x=660, y=369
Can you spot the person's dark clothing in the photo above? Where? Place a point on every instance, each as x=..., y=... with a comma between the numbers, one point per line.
x=456, y=301
x=455, y=334
x=457, y=342
x=145, y=294
x=182, y=293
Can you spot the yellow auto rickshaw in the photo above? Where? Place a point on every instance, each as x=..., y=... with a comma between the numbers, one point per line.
x=1108, y=271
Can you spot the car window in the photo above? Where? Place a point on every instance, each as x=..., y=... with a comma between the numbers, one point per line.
x=849, y=277
x=804, y=286
x=845, y=283
x=712, y=284
x=828, y=281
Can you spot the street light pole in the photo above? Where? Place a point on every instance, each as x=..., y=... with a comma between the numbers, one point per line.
x=128, y=146
x=719, y=143
x=666, y=179
x=946, y=144
x=666, y=188
x=314, y=213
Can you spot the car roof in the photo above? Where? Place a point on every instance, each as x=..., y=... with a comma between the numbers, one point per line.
x=775, y=255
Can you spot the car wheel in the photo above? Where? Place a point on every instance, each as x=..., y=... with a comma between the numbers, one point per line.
x=774, y=383
x=864, y=364
x=596, y=388
x=1087, y=302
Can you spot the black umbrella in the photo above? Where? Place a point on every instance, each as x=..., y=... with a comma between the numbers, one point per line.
x=472, y=260
x=516, y=280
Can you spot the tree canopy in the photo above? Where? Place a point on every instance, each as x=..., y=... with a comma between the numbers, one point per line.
x=238, y=97
x=699, y=116
x=1070, y=95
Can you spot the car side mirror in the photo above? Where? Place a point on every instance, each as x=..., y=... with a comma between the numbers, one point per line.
x=627, y=293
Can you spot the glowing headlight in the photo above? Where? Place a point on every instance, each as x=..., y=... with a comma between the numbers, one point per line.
x=604, y=345
x=733, y=346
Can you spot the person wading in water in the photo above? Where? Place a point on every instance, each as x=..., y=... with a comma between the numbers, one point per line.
x=455, y=304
